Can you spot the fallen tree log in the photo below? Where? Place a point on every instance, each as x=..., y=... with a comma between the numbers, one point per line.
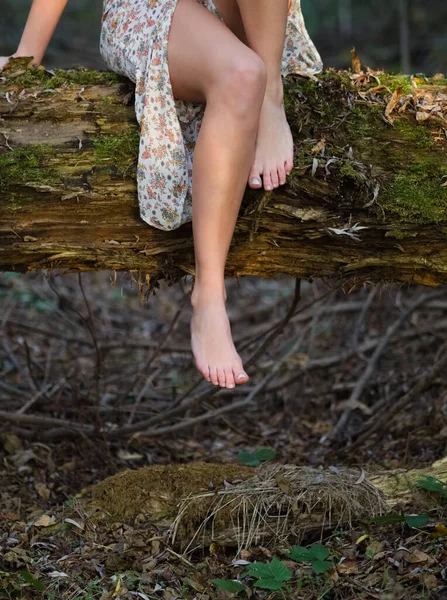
x=234, y=505
x=366, y=201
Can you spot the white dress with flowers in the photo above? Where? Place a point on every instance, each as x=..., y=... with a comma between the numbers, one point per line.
x=134, y=43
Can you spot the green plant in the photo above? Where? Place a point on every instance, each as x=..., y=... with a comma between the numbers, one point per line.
x=410, y=520
x=254, y=459
x=36, y=583
x=229, y=585
x=316, y=555
x=432, y=484
x=270, y=576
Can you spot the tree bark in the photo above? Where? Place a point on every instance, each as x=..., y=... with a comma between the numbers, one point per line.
x=365, y=201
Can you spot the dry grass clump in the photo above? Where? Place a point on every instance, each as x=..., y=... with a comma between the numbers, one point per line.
x=234, y=505
x=277, y=503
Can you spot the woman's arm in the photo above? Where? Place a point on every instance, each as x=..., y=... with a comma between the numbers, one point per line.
x=40, y=25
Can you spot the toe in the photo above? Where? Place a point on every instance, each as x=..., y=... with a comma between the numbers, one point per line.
x=281, y=175
x=204, y=369
x=288, y=165
x=254, y=178
x=221, y=377
x=274, y=177
x=268, y=185
x=229, y=377
x=213, y=376
x=240, y=376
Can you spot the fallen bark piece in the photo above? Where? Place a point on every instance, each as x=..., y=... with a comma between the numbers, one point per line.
x=366, y=200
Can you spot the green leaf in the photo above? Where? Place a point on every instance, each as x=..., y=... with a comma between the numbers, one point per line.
x=431, y=484
x=321, y=566
x=416, y=520
x=279, y=570
x=30, y=579
x=300, y=554
x=248, y=458
x=259, y=569
x=388, y=519
x=319, y=551
x=268, y=584
x=264, y=454
x=229, y=585
x=254, y=459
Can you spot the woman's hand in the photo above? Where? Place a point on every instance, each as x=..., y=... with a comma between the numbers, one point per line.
x=3, y=61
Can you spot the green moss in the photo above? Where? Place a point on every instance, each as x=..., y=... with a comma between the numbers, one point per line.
x=347, y=169
x=394, y=81
x=418, y=133
x=308, y=86
x=289, y=100
x=62, y=78
x=119, y=148
x=53, y=115
x=418, y=196
x=314, y=105
x=442, y=81
x=27, y=165
x=400, y=234
x=364, y=122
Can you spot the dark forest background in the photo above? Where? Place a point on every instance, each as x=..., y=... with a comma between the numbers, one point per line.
x=397, y=35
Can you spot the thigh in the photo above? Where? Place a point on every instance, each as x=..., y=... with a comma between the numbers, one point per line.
x=230, y=13
x=201, y=50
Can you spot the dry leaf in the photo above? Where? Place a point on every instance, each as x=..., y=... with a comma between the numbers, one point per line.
x=348, y=567
x=45, y=521
x=422, y=116
x=379, y=88
x=440, y=529
x=11, y=443
x=69, y=467
x=283, y=483
x=417, y=556
x=319, y=146
x=75, y=523
x=392, y=103
x=42, y=490
x=355, y=62
x=125, y=455
x=430, y=581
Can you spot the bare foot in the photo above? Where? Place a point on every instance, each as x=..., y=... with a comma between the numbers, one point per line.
x=212, y=344
x=274, y=147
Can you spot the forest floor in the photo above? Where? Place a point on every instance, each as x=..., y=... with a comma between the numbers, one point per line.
x=86, y=351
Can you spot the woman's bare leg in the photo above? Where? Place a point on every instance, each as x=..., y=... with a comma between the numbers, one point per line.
x=264, y=25
x=208, y=63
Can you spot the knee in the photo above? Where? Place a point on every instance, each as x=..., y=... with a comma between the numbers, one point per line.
x=245, y=81
x=250, y=74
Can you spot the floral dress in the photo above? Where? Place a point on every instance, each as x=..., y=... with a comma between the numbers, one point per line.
x=134, y=43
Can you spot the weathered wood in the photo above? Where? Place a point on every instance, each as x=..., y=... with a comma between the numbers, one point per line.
x=68, y=194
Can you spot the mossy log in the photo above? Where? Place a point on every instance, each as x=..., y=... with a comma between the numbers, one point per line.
x=236, y=505
x=366, y=201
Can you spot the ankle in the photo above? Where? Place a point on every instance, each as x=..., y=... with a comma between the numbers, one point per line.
x=208, y=294
x=274, y=92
